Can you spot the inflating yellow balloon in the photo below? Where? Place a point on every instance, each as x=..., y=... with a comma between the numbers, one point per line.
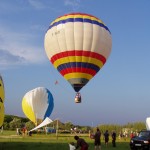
x=2, y=97
x=38, y=104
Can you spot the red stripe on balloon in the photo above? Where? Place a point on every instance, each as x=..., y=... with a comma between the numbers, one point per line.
x=78, y=53
x=80, y=70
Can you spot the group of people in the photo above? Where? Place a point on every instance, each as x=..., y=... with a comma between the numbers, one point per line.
x=23, y=131
x=106, y=137
x=97, y=141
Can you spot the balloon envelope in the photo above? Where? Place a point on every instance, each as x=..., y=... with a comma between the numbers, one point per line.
x=78, y=46
x=38, y=104
x=2, y=97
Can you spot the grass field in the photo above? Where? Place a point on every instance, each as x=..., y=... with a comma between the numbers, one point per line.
x=10, y=141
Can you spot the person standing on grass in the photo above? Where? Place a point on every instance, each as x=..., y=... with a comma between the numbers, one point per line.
x=81, y=143
x=106, y=137
x=114, y=139
x=97, y=139
x=17, y=131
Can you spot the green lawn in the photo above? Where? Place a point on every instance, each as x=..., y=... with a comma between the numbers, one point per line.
x=10, y=141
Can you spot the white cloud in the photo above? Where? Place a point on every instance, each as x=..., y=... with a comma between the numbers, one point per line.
x=18, y=48
x=46, y=5
x=7, y=58
x=36, y=4
x=74, y=3
x=38, y=27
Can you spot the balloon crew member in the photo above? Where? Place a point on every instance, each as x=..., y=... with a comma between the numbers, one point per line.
x=97, y=138
x=81, y=143
x=114, y=139
x=106, y=137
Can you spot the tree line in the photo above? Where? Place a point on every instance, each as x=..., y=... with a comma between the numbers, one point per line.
x=12, y=122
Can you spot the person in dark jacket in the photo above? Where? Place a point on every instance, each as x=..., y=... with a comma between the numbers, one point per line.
x=81, y=143
x=97, y=139
x=106, y=137
x=114, y=139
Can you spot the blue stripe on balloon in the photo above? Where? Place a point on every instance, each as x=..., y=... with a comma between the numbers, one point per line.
x=50, y=102
x=79, y=20
x=78, y=65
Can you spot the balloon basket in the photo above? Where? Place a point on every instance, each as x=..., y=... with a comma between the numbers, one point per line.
x=77, y=98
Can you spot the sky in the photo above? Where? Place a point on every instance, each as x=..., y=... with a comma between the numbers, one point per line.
x=118, y=94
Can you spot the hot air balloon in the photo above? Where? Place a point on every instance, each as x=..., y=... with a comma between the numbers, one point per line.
x=78, y=46
x=38, y=104
x=2, y=97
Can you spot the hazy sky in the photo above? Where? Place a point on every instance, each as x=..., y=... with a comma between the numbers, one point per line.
x=119, y=93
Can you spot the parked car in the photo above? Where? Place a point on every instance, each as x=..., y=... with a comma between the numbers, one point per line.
x=142, y=141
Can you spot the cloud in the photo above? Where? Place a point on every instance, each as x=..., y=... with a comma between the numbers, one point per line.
x=18, y=48
x=46, y=5
x=6, y=58
x=36, y=4
x=38, y=28
x=75, y=4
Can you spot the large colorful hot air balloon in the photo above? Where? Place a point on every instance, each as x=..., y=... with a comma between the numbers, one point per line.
x=38, y=104
x=78, y=46
x=2, y=97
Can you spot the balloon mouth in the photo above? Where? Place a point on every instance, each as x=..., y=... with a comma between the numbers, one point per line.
x=78, y=83
x=77, y=87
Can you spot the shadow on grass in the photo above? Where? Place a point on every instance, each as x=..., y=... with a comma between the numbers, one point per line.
x=54, y=146
x=32, y=146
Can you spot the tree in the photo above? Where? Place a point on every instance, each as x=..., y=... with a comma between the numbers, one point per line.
x=29, y=125
x=15, y=123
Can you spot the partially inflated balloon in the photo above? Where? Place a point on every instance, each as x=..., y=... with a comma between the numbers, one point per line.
x=2, y=97
x=78, y=46
x=38, y=104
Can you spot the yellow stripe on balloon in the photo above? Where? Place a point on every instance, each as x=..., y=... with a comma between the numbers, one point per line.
x=77, y=16
x=77, y=75
x=70, y=59
x=28, y=110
